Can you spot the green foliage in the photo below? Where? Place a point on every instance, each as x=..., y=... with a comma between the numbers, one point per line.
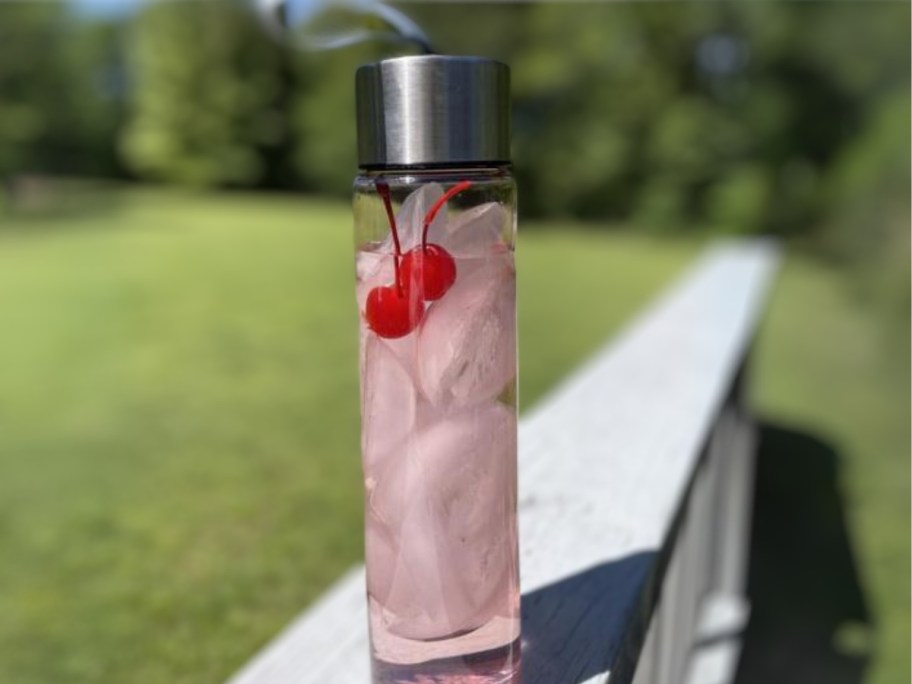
x=323, y=118
x=661, y=205
x=869, y=191
x=55, y=115
x=25, y=110
x=738, y=202
x=208, y=89
x=727, y=116
x=741, y=118
x=698, y=114
x=870, y=179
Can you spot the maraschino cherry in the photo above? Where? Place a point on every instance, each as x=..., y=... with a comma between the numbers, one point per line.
x=390, y=310
x=430, y=265
x=425, y=274
x=431, y=269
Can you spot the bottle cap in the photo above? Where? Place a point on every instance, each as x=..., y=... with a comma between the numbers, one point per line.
x=433, y=110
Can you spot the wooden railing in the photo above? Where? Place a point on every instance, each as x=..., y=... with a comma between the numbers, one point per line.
x=635, y=497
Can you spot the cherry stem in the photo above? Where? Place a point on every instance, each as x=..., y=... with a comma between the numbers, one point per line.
x=435, y=208
x=384, y=192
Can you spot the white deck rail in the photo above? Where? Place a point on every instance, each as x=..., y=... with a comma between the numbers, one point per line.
x=635, y=495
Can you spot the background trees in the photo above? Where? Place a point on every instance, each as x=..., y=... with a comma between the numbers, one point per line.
x=207, y=97
x=746, y=118
x=58, y=93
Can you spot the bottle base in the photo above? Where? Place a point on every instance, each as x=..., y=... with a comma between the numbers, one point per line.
x=497, y=666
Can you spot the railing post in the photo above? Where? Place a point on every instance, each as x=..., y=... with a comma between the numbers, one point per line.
x=735, y=494
x=708, y=549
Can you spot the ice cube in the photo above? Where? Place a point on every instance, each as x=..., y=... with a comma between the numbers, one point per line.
x=410, y=219
x=442, y=512
x=466, y=351
x=414, y=585
x=372, y=269
x=369, y=262
x=389, y=402
x=476, y=232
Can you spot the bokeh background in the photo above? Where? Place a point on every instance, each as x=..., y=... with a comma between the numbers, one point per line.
x=179, y=468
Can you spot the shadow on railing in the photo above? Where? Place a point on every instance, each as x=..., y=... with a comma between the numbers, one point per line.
x=810, y=621
x=564, y=622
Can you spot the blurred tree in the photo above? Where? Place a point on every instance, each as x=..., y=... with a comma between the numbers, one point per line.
x=55, y=116
x=94, y=68
x=31, y=84
x=868, y=191
x=209, y=96
x=323, y=118
x=735, y=117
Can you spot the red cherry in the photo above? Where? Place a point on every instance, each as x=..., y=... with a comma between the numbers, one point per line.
x=391, y=313
x=431, y=268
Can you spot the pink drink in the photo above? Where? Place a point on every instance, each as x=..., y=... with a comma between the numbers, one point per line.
x=438, y=407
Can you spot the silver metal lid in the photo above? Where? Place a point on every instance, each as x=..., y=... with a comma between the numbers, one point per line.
x=433, y=109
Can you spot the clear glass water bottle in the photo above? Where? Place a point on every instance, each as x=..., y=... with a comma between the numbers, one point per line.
x=435, y=224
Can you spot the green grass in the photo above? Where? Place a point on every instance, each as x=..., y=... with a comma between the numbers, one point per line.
x=828, y=368
x=179, y=468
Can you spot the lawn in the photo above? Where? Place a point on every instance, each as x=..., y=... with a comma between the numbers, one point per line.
x=179, y=467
